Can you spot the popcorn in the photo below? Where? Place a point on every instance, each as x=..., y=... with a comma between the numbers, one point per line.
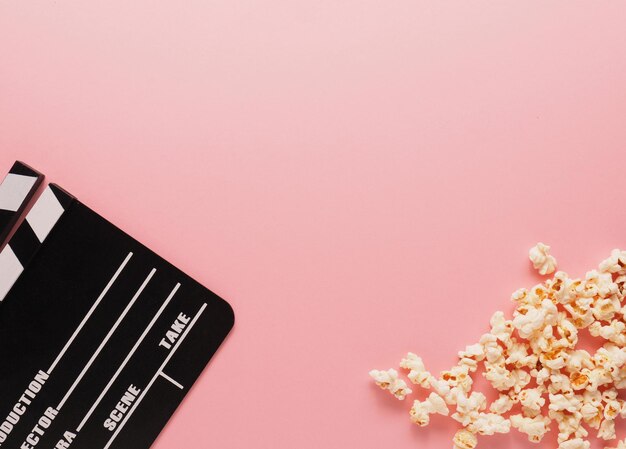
x=518, y=355
x=421, y=411
x=598, y=377
x=612, y=409
x=592, y=410
x=471, y=356
x=579, y=381
x=468, y=408
x=561, y=402
x=615, y=263
x=535, y=427
x=501, y=328
x=592, y=415
x=519, y=295
x=613, y=332
x=607, y=430
x=555, y=359
x=541, y=376
x=604, y=309
x=531, y=401
x=458, y=377
x=489, y=424
x=388, y=380
x=578, y=360
x=502, y=405
x=464, y=439
x=542, y=260
x=418, y=374
x=533, y=360
x=568, y=333
x=577, y=443
x=569, y=425
x=560, y=383
x=535, y=319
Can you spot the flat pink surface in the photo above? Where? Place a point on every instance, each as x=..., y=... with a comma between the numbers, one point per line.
x=358, y=178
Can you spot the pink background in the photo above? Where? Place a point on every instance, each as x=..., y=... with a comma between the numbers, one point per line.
x=358, y=178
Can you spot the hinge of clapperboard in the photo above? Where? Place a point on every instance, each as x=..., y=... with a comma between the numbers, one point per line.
x=16, y=192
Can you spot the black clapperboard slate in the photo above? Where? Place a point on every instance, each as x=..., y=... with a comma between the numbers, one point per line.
x=100, y=338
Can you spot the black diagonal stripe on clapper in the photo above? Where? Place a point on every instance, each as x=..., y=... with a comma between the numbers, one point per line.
x=6, y=216
x=20, y=168
x=64, y=198
x=25, y=243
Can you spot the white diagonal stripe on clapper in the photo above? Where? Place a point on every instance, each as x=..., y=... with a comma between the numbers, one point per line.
x=10, y=270
x=44, y=214
x=14, y=189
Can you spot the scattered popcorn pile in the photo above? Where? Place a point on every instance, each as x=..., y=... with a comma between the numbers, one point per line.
x=533, y=361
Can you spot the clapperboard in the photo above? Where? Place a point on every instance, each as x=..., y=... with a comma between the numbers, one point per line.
x=100, y=338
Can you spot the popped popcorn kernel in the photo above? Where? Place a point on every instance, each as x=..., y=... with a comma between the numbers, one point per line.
x=388, y=380
x=489, y=424
x=465, y=439
x=502, y=405
x=535, y=428
x=540, y=256
x=421, y=411
x=607, y=430
x=418, y=374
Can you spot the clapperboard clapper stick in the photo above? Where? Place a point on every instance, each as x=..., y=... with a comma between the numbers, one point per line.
x=16, y=191
x=100, y=338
